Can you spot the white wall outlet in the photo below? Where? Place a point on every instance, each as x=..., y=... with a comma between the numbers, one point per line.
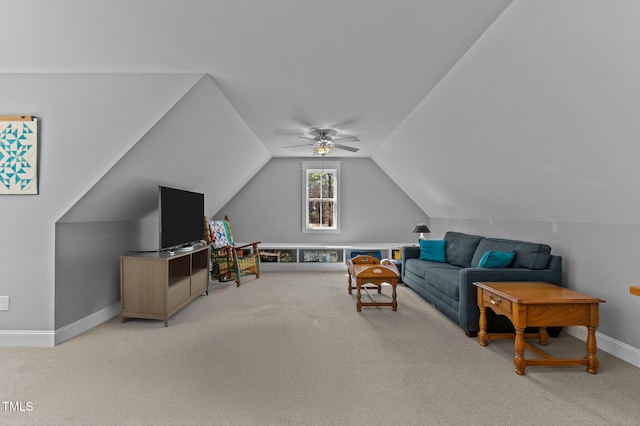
x=4, y=303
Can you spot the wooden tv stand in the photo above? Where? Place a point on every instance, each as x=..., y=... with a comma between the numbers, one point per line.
x=157, y=285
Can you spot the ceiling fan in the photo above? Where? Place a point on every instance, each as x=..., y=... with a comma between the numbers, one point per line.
x=324, y=141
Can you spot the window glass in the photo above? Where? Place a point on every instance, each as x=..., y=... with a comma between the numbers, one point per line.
x=320, y=204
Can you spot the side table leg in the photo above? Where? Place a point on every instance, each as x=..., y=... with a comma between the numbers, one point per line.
x=592, y=360
x=483, y=339
x=358, y=303
x=518, y=361
x=543, y=336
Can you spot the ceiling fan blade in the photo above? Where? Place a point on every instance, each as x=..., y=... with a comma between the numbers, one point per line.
x=346, y=148
x=307, y=137
x=304, y=123
x=346, y=138
x=346, y=123
x=294, y=146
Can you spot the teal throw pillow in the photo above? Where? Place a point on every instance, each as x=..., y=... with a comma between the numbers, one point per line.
x=497, y=259
x=433, y=250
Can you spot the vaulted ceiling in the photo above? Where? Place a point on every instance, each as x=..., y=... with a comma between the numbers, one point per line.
x=285, y=65
x=498, y=109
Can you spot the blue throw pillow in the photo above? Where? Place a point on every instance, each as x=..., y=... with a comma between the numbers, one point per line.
x=497, y=259
x=433, y=250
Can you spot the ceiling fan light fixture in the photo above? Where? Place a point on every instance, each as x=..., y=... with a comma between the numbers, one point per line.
x=322, y=147
x=323, y=141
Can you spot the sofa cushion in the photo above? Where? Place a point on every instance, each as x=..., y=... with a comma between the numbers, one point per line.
x=461, y=248
x=446, y=280
x=419, y=267
x=528, y=255
x=432, y=250
x=497, y=259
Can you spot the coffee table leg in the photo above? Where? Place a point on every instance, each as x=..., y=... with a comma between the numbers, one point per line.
x=518, y=361
x=592, y=360
x=394, y=303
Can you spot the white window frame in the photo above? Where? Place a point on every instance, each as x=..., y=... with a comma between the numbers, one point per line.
x=313, y=167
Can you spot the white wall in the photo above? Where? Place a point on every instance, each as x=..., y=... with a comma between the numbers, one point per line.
x=373, y=208
x=538, y=121
x=87, y=122
x=199, y=137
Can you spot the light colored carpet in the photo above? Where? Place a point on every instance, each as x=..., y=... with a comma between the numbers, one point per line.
x=290, y=349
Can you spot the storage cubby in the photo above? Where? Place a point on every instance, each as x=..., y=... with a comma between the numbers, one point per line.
x=179, y=268
x=321, y=255
x=306, y=257
x=200, y=260
x=278, y=256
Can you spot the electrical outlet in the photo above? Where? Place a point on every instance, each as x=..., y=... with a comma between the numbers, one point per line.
x=4, y=303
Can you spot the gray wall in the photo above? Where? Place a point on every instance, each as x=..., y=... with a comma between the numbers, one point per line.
x=106, y=142
x=87, y=266
x=374, y=209
x=119, y=212
x=87, y=123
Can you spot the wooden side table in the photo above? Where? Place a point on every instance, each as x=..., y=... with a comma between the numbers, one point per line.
x=537, y=304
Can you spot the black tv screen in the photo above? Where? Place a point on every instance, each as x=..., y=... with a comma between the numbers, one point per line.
x=181, y=217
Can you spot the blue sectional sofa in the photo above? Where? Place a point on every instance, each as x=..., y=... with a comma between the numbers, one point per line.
x=448, y=284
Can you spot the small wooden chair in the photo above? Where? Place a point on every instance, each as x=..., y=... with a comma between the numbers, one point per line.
x=228, y=261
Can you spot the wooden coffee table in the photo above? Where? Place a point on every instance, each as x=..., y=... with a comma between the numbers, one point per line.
x=537, y=304
x=369, y=270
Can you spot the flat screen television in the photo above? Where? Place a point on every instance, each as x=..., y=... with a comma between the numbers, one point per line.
x=181, y=217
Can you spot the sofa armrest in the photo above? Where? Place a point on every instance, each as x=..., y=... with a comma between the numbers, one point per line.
x=469, y=313
x=555, y=263
x=408, y=252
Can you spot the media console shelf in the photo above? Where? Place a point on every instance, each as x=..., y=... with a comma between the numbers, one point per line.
x=157, y=285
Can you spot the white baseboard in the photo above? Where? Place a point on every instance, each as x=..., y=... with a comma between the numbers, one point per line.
x=26, y=338
x=52, y=338
x=609, y=345
x=68, y=331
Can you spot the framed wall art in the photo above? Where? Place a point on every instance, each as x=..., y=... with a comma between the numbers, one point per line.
x=18, y=154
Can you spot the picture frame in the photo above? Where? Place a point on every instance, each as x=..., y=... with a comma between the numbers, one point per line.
x=18, y=155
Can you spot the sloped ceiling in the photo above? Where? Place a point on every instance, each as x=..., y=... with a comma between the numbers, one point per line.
x=285, y=65
x=182, y=150
x=538, y=121
x=495, y=109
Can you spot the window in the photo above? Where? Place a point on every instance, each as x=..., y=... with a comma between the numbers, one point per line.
x=321, y=197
